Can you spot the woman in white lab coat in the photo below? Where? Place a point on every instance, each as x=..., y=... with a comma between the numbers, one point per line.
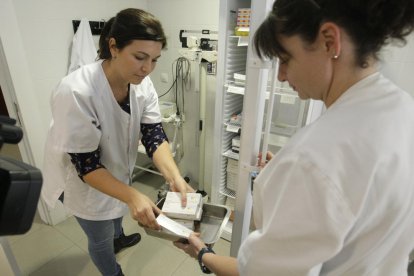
x=338, y=199
x=100, y=112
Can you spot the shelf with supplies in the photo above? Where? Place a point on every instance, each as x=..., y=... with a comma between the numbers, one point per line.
x=288, y=95
x=232, y=127
x=242, y=40
x=235, y=89
x=230, y=154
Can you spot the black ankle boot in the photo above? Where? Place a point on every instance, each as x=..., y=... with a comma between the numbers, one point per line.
x=126, y=241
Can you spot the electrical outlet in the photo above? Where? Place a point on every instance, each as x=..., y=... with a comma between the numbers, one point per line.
x=164, y=77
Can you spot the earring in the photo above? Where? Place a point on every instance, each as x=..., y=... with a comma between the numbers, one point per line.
x=335, y=56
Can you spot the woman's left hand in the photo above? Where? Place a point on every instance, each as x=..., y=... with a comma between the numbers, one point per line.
x=194, y=245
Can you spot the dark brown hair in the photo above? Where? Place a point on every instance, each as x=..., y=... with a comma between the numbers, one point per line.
x=371, y=24
x=128, y=25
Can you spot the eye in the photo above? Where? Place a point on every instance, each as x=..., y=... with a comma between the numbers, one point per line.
x=139, y=58
x=283, y=60
x=155, y=60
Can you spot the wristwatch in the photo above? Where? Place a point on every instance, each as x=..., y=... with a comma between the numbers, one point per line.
x=200, y=257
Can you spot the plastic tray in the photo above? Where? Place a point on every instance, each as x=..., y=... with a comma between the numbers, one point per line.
x=211, y=225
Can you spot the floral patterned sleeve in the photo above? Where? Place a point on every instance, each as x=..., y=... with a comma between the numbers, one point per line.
x=86, y=162
x=153, y=136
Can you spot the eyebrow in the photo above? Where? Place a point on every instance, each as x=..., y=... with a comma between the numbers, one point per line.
x=147, y=55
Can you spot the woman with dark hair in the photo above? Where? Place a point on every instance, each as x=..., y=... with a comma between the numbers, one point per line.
x=338, y=198
x=100, y=112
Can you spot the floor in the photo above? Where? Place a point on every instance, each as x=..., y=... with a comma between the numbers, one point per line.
x=62, y=249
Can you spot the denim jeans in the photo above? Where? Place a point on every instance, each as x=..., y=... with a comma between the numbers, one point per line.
x=101, y=236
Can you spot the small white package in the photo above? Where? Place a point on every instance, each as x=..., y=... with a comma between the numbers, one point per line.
x=173, y=209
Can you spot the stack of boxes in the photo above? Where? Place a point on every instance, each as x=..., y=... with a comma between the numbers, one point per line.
x=235, y=144
x=232, y=176
x=243, y=22
x=232, y=173
x=184, y=215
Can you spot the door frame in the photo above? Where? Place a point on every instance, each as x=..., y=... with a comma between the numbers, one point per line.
x=12, y=105
x=48, y=215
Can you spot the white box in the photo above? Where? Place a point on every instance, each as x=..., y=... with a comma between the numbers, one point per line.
x=235, y=141
x=173, y=209
x=232, y=166
x=232, y=181
x=232, y=174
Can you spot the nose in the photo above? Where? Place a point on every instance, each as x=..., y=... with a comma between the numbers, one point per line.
x=281, y=74
x=147, y=66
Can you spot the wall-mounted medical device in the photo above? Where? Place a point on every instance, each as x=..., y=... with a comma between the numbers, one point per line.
x=200, y=46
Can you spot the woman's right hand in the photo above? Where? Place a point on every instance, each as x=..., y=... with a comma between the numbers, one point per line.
x=143, y=210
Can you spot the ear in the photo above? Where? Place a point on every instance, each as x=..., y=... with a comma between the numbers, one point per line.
x=112, y=46
x=330, y=35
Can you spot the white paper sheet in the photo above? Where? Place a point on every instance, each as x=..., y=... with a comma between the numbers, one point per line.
x=173, y=226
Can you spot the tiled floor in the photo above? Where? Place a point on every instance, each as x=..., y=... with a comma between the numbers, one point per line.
x=62, y=249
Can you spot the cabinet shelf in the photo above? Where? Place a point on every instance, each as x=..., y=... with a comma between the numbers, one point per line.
x=231, y=127
x=288, y=94
x=241, y=40
x=235, y=89
x=228, y=193
x=230, y=154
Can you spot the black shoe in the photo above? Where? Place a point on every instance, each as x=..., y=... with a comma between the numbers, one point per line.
x=126, y=241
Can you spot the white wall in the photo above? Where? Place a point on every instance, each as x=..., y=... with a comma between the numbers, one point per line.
x=47, y=32
x=398, y=64
x=188, y=15
x=16, y=78
x=36, y=37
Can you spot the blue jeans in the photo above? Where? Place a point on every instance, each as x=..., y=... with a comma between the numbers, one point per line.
x=101, y=236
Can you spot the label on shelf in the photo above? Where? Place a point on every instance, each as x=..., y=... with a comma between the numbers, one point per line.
x=232, y=128
x=235, y=89
x=239, y=76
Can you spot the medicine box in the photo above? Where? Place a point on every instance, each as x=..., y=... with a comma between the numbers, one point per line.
x=192, y=211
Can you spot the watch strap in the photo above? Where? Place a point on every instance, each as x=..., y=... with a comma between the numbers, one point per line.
x=200, y=257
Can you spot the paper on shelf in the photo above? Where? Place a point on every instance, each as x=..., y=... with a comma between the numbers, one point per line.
x=173, y=226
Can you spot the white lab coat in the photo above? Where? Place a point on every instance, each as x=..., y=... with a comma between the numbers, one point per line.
x=86, y=115
x=338, y=199
x=83, y=47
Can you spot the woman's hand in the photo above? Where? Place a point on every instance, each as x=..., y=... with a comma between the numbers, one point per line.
x=143, y=209
x=164, y=161
x=180, y=185
x=262, y=163
x=194, y=245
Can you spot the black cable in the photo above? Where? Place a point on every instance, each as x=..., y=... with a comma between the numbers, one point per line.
x=169, y=89
x=182, y=74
